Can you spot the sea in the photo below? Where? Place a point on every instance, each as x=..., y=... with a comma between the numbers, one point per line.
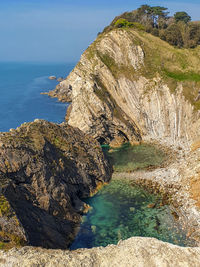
x=21, y=85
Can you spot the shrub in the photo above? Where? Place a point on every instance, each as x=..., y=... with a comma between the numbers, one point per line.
x=123, y=23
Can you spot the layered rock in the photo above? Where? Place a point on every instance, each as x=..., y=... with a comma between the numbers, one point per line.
x=127, y=85
x=134, y=252
x=45, y=171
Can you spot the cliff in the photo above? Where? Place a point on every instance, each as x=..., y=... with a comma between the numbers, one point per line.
x=45, y=171
x=130, y=85
x=136, y=251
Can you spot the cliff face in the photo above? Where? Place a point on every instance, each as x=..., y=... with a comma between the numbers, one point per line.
x=45, y=170
x=130, y=85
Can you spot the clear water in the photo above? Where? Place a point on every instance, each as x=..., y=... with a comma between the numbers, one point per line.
x=20, y=88
x=121, y=210
x=131, y=158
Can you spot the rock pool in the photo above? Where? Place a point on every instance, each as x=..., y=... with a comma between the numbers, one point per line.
x=121, y=210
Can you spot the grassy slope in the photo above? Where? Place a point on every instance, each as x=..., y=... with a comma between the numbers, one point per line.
x=173, y=64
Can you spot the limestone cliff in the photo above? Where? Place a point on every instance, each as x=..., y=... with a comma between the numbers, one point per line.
x=130, y=85
x=45, y=171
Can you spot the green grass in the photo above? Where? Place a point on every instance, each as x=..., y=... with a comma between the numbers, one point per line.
x=181, y=76
x=173, y=65
x=4, y=207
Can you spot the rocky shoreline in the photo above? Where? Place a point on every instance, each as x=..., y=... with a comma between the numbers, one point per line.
x=172, y=180
x=173, y=183
x=116, y=97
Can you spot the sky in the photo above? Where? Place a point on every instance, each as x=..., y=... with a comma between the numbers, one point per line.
x=60, y=30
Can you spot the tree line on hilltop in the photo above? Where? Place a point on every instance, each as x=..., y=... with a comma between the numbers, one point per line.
x=177, y=30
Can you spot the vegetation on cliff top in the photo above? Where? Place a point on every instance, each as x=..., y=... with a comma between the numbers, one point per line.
x=177, y=30
x=173, y=64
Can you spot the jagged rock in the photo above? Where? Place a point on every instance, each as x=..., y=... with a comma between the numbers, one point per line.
x=122, y=86
x=134, y=252
x=60, y=79
x=63, y=92
x=45, y=171
x=52, y=77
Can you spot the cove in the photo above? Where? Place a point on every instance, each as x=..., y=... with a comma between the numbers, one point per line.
x=122, y=209
x=128, y=158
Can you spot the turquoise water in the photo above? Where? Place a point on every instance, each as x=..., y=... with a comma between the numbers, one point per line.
x=20, y=87
x=120, y=211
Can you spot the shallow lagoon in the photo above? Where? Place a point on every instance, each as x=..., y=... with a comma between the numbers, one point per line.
x=121, y=210
x=130, y=158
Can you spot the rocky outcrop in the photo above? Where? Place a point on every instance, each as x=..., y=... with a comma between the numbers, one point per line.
x=127, y=85
x=52, y=77
x=45, y=171
x=134, y=252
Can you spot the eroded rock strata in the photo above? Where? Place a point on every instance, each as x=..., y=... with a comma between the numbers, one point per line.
x=128, y=86
x=45, y=170
x=131, y=86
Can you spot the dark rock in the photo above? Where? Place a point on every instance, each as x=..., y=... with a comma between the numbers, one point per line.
x=45, y=171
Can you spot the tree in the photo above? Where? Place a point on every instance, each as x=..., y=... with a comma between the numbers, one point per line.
x=157, y=13
x=173, y=35
x=182, y=16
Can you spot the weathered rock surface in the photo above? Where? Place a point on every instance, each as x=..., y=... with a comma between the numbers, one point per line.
x=118, y=93
x=134, y=252
x=119, y=89
x=178, y=182
x=45, y=170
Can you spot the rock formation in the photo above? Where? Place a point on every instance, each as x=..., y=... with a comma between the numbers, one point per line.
x=134, y=252
x=132, y=85
x=128, y=86
x=45, y=171
x=52, y=77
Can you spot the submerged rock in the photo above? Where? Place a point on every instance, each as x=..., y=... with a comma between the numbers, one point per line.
x=52, y=78
x=45, y=169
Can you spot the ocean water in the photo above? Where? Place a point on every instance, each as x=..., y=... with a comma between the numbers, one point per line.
x=20, y=98
x=119, y=210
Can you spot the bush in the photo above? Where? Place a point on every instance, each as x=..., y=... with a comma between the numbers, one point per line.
x=173, y=35
x=177, y=30
x=123, y=23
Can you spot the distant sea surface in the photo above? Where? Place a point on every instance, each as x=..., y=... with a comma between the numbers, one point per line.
x=20, y=98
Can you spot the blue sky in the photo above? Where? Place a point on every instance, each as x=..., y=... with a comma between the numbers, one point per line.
x=60, y=30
